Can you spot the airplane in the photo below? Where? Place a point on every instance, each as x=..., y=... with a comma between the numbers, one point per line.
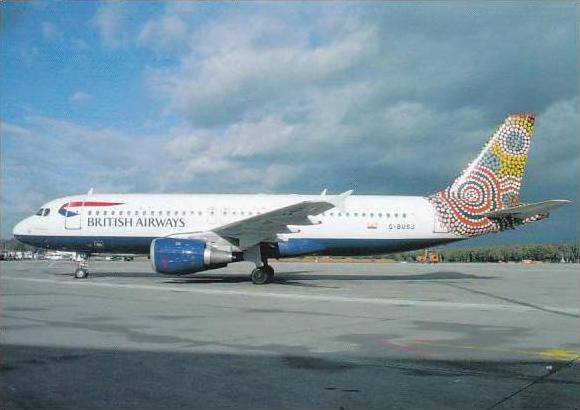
x=185, y=233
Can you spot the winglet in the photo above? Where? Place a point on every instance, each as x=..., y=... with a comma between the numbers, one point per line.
x=339, y=200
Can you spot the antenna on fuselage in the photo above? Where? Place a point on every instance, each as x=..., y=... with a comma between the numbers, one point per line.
x=90, y=191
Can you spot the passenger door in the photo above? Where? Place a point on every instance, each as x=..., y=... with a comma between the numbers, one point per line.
x=73, y=217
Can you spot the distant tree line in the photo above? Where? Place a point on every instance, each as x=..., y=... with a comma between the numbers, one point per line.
x=512, y=253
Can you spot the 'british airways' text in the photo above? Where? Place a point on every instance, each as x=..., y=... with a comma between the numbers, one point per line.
x=135, y=222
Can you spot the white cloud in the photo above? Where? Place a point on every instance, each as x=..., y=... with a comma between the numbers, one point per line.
x=80, y=97
x=164, y=34
x=354, y=82
x=249, y=64
x=110, y=19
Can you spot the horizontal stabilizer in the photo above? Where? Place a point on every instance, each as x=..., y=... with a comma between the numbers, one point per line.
x=529, y=210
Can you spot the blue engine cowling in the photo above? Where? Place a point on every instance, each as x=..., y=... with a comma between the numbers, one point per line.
x=171, y=256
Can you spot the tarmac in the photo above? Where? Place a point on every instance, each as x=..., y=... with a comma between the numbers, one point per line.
x=322, y=336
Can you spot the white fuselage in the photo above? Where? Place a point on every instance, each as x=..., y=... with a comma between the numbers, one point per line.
x=129, y=222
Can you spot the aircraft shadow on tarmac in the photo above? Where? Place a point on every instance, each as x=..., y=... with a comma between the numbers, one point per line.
x=298, y=278
x=290, y=278
x=423, y=276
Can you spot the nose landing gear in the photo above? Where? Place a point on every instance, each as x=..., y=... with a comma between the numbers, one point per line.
x=82, y=270
x=81, y=273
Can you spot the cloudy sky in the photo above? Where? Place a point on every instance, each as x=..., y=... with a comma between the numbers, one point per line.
x=384, y=98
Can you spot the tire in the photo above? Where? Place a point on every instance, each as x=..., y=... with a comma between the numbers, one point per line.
x=260, y=276
x=81, y=273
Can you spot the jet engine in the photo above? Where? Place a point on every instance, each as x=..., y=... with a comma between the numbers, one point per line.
x=172, y=256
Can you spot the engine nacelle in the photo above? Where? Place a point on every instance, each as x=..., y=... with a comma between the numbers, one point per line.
x=172, y=256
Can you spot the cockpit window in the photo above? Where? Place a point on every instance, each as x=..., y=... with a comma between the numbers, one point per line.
x=40, y=212
x=46, y=211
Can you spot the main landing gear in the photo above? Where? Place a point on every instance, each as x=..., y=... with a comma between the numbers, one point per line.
x=262, y=275
x=82, y=270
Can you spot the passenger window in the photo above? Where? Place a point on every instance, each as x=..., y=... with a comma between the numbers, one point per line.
x=364, y=214
x=97, y=212
x=40, y=212
x=372, y=215
x=404, y=215
x=380, y=215
x=347, y=214
x=356, y=214
x=46, y=211
x=90, y=213
x=199, y=213
x=105, y=213
x=120, y=212
x=112, y=213
x=388, y=215
x=396, y=215
x=168, y=213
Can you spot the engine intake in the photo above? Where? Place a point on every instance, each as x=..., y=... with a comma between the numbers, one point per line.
x=171, y=256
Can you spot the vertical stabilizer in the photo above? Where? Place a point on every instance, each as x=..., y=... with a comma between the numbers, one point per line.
x=491, y=182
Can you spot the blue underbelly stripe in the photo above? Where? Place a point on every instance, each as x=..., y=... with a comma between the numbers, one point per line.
x=293, y=247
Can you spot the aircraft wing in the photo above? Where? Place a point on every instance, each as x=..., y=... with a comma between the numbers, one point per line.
x=266, y=226
x=529, y=210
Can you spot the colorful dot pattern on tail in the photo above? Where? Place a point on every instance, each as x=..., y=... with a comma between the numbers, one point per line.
x=490, y=183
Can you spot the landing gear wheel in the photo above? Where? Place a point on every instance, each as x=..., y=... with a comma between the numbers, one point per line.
x=81, y=273
x=260, y=276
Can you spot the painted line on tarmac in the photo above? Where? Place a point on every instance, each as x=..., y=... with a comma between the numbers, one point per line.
x=553, y=353
x=296, y=296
